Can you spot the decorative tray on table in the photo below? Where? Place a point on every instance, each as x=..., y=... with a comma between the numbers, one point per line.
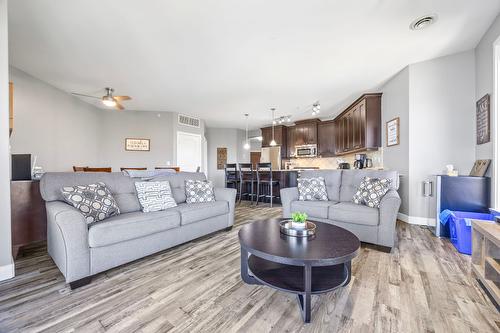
x=287, y=229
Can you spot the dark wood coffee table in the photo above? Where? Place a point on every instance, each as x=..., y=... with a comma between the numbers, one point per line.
x=302, y=266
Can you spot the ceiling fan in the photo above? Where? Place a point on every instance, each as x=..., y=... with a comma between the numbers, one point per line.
x=109, y=99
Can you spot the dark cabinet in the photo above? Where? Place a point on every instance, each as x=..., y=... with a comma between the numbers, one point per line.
x=290, y=141
x=326, y=138
x=358, y=128
x=280, y=136
x=306, y=132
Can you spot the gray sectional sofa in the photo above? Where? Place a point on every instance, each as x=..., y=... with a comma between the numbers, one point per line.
x=371, y=225
x=81, y=251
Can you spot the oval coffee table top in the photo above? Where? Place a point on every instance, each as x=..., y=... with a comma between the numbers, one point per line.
x=330, y=246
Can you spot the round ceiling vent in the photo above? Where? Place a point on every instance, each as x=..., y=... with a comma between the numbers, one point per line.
x=423, y=22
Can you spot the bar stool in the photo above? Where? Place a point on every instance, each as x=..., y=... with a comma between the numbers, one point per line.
x=247, y=179
x=231, y=175
x=265, y=180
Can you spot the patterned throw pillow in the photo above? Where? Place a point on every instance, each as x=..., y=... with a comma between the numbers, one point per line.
x=199, y=191
x=94, y=201
x=312, y=189
x=371, y=191
x=154, y=196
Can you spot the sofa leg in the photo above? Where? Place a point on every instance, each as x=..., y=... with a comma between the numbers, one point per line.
x=228, y=228
x=80, y=283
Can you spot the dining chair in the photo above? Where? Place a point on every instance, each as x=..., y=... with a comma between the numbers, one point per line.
x=79, y=168
x=266, y=182
x=86, y=169
x=247, y=181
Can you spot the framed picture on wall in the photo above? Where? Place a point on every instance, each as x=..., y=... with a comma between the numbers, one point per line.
x=135, y=144
x=221, y=158
x=483, y=120
x=392, y=132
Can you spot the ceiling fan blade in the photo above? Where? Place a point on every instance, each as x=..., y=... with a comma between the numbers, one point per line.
x=119, y=106
x=122, y=98
x=77, y=94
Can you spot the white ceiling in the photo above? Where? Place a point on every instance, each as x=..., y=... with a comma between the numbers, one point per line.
x=221, y=59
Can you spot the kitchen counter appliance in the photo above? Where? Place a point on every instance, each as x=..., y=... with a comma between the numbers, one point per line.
x=306, y=151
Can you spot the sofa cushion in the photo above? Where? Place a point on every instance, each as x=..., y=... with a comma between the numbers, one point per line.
x=132, y=225
x=198, y=191
x=332, y=181
x=94, y=201
x=352, y=178
x=312, y=189
x=318, y=209
x=371, y=191
x=349, y=212
x=155, y=196
x=195, y=212
x=177, y=185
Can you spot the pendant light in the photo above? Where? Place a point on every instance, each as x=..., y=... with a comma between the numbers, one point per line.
x=246, y=146
x=273, y=142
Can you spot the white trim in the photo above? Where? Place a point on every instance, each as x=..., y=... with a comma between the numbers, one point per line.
x=7, y=271
x=495, y=120
x=403, y=217
x=417, y=220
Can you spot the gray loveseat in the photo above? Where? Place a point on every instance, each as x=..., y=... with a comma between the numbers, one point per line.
x=371, y=225
x=81, y=251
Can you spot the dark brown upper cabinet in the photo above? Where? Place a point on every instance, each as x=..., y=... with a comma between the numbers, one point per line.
x=306, y=132
x=280, y=136
x=358, y=128
x=326, y=138
x=290, y=141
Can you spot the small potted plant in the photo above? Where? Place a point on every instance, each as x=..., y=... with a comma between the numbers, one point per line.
x=299, y=220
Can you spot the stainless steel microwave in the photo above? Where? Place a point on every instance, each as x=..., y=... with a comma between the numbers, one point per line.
x=306, y=151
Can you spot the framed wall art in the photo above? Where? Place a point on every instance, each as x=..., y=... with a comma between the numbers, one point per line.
x=135, y=144
x=221, y=158
x=392, y=132
x=483, y=120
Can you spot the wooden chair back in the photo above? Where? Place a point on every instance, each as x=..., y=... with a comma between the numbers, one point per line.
x=96, y=169
x=123, y=169
x=79, y=168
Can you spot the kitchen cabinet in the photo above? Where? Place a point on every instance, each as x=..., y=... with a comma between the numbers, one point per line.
x=290, y=141
x=358, y=128
x=326, y=138
x=280, y=136
x=306, y=132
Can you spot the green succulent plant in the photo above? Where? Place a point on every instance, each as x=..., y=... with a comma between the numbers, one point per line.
x=299, y=217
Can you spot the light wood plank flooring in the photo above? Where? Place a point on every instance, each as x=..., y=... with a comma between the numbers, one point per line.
x=424, y=285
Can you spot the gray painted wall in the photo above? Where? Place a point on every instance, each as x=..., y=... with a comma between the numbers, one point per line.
x=396, y=103
x=158, y=127
x=435, y=102
x=64, y=131
x=485, y=68
x=59, y=128
x=6, y=266
x=233, y=140
x=442, y=111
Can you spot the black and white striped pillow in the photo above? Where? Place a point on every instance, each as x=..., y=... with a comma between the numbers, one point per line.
x=154, y=196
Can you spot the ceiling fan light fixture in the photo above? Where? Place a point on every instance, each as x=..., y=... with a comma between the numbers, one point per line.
x=108, y=101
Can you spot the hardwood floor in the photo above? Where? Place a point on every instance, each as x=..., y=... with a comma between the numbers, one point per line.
x=424, y=285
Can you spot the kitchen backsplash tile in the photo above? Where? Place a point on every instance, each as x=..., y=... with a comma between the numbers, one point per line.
x=331, y=162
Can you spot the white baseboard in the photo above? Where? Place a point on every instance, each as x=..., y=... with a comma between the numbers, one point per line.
x=417, y=220
x=7, y=271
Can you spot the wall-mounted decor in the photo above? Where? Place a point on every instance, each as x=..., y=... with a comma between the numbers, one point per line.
x=134, y=144
x=221, y=158
x=483, y=120
x=480, y=167
x=392, y=132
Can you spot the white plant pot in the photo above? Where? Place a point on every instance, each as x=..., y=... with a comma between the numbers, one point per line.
x=298, y=225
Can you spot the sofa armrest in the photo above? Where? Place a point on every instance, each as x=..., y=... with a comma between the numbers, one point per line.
x=229, y=195
x=67, y=240
x=287, y=196
x=389, y=207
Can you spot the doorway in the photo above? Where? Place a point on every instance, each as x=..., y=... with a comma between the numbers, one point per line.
x=189, y=151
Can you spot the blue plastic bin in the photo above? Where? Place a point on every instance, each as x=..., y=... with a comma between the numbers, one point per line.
x=460, y=229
